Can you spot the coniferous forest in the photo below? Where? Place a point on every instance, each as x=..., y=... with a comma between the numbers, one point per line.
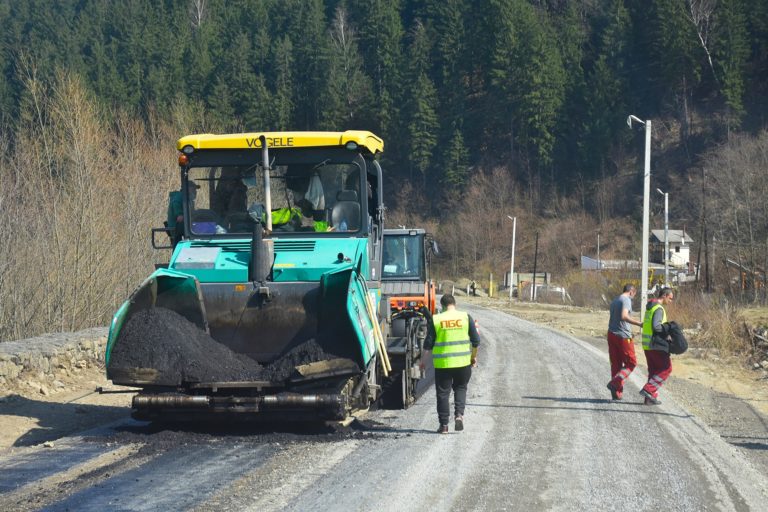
x=542, y=87
x=488, y=108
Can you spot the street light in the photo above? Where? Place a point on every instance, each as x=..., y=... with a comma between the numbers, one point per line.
x=646, y=201
x=512, y=262
x=666, y=235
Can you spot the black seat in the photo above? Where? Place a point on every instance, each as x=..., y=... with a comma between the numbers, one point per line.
x=346, y=209
x=204, y=222
x=203, y=215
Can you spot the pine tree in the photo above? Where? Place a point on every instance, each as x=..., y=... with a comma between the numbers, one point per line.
x=456, y=161
x=606, y=82
x=731, y=54
x=381, y=36
x=675, y=58
x=446, y=28
x=258, y=113
x=281, y=101
x=421, y=106
x=347, y=97
x=528, y=75
x=309, y=39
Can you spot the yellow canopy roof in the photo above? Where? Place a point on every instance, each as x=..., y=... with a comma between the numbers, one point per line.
x=283, y=140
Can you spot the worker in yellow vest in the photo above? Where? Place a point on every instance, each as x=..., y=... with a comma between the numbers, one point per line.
x=453, y=340
x=656, y=345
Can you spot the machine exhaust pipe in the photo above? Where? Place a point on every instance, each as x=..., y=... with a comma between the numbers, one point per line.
x=267, y=189
x=262, y=255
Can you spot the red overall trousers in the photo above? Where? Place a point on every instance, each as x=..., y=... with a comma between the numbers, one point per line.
x=659, y=370
x=621, y=352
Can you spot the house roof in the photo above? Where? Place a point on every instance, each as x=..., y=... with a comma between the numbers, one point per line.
x=675, y=236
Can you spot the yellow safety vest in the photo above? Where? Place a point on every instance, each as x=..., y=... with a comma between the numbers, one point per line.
x=284, y=215
x=648, y=325
x=452, y=347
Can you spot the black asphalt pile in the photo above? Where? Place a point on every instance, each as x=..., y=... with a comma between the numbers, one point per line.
x=308, y=352
x=163, y=340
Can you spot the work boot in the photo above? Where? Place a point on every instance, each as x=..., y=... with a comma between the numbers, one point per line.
x=459, y=423
x=615, y=393
x=649, y=398
x=442, y=429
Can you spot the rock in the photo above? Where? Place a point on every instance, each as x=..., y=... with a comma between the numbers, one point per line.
x=48, y=444
x=82, y=364
x=58, y=384
x=44, y=391
x=756, y=366
x=764, y=363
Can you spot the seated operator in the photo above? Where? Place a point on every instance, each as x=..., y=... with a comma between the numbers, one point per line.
x=231, y=194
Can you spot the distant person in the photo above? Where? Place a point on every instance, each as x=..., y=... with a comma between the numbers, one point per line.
x=656, y=336
x=473, y=288
x=175, y=216
x=453, y=340
x=621, y=349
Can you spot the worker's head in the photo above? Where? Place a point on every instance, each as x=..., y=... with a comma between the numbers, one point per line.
x=447, y=300
x=193, y=188
x=630, y=289
x=666, y=295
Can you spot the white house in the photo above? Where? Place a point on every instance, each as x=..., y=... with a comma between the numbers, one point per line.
x=679, y=247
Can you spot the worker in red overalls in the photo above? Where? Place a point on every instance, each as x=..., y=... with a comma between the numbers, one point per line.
x=621, y=349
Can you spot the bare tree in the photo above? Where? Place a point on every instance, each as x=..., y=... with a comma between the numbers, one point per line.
x=700, y=14
x=198, y=12
x=78, y=195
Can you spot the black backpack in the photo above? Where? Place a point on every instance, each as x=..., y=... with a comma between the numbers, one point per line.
x=677, y=343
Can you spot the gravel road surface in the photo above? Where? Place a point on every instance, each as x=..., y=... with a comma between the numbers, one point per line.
x=540, y=434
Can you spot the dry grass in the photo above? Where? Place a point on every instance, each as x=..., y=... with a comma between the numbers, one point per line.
x=78, y=196
x=712, y=323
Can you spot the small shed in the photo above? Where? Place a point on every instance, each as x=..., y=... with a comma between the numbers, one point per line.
x=679, y=247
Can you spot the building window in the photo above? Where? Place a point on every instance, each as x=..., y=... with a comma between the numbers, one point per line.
x=677, y=248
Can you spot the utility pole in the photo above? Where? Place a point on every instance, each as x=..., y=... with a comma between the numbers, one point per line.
x=646, y=201
x=666, y=235
x=535, y=260
x=599, y=267
x=512, y=260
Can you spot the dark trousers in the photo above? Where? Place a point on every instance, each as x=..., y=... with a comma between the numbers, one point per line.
x=445, y=380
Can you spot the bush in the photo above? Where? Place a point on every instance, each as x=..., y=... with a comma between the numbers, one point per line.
x=589, y=289
x=712, y=323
